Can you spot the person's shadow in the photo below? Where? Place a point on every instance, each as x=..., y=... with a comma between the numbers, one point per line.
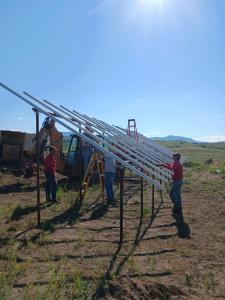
x=183, y=228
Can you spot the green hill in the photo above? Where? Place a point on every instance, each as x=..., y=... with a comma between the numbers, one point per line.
x=197, y=152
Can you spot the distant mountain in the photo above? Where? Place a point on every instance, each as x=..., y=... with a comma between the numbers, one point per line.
x=174, y=138
x=67, y=134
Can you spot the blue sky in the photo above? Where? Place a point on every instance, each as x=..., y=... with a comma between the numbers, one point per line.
x=161, y=62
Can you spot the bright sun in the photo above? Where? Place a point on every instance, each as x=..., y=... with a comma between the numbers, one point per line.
x=146, y=12
x=151, y=2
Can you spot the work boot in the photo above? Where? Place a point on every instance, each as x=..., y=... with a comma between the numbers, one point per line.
x=47, y=196
x=48, y=200
x=177, y=210
x=113, y=204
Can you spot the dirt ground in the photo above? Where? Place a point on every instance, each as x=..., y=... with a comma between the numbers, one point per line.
x=76, y=254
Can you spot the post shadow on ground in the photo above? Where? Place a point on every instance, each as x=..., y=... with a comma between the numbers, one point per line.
x=19, y=211
x=129, y=193
x=183, y=228
x=4, y=241
x=165, y=225
x=69, y=183
x=100, y=290
x=98, y=211
x=138, y=238
x=93, y=205
x=106, y=255
x=16, y=188
x=69, y=216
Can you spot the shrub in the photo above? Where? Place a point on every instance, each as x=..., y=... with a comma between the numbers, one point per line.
x=209, y=161
x=195, y=165
x=217, y=169
x=12, y=228
x=47, y=226
x=4, y=287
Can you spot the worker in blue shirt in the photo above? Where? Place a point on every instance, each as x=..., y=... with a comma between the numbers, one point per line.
x=109, y=172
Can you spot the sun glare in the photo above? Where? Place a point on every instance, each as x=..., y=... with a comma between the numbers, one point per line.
x=146, y=13
x=148, y=7
x=150, y=3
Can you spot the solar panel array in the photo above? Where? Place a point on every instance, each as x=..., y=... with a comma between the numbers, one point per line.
x=162, y=152
x=141, y=157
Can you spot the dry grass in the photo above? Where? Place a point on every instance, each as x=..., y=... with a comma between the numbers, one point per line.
x=76, y=254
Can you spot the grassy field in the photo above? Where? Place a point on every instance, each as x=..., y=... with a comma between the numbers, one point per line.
x=198, y=152
x=76, y=253
x=190, y=151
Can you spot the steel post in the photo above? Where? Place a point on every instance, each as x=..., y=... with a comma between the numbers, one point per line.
x=38, y=168
x=142, y=198
x=121, y=202
x=153, y=200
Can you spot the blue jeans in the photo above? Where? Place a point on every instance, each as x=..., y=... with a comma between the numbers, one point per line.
x=175, y=193
x=109, y=180
x=50, y=187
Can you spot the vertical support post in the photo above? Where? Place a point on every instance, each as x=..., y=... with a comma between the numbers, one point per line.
x=142, y=198
x=80, y=184
x=121, y=202
x=153, y=199
x=80, y=167
x=81, y=175
x=38, y=168
x=161, y=196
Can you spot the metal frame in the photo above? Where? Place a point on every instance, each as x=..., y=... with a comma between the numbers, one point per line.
x=139, y=157
x=167, y=154
x=148, y=153
x=122, y=140
x=131, y=163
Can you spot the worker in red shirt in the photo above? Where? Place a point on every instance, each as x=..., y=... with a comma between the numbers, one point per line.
x=50, y=170
x=175, y=191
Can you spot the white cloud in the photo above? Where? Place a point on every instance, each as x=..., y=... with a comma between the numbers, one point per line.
x=210, y=138
x=20, y=118
x=151, y=132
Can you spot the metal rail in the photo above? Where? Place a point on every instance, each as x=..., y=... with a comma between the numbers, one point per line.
x=117, y=152
x=147, y=152
x=122, y=150
x=144, y=140
x=119, y=141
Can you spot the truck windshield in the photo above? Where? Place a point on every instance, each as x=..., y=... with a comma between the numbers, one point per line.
x=73, y=152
